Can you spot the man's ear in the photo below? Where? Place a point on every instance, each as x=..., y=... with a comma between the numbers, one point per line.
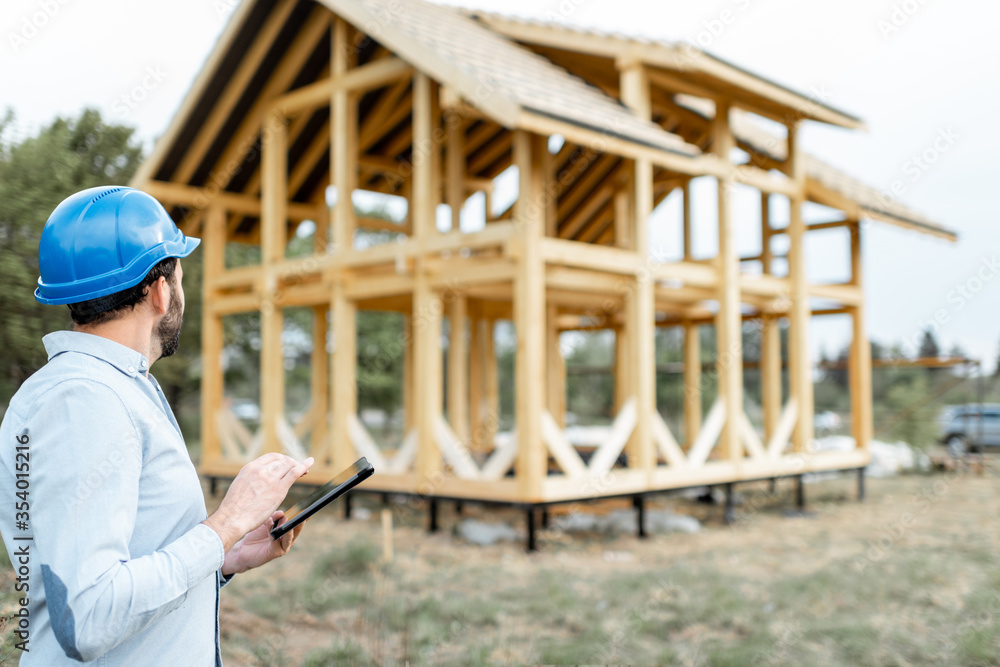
x=159, y=296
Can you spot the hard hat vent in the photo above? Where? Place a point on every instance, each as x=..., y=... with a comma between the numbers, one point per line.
x=105, y=194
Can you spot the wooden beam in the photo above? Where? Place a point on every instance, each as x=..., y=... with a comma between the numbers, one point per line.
x=556, y=374
x=201, y=198
x=456, y=167
x=458, y=371
x=236, y=85
x=212, y=382
x=860, y=356
x=729, y=352
x=343, y=147
x=692, y=383
x=233, y=158
x=370, y=75
x=770, y=344
x=529, y=317
x=427, y=372
x=343, y=370
x=640, y=318
x=274, y=160
x=319, y=384
x=424, y=196
x=800, y=364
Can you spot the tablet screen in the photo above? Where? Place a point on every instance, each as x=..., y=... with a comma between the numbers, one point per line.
x=296, y=509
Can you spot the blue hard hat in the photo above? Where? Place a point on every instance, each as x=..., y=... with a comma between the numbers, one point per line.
x=104, y=240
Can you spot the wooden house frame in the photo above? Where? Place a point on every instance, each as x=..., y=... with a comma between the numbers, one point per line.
x=431, y=103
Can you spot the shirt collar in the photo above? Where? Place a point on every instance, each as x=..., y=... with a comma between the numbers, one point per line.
x=123, y=358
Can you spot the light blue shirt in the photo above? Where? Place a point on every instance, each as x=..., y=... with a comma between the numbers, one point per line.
x=121, y=571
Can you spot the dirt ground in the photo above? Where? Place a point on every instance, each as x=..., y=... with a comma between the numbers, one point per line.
x=908, y=577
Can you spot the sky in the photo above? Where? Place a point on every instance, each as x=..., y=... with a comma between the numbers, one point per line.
x=923, y=74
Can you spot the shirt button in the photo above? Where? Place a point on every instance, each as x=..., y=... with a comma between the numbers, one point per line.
x=143, y=363
x=131, y=369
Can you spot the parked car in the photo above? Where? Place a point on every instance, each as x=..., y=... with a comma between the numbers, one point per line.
x=970, y=428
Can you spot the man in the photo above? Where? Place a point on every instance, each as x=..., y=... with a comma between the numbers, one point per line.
x=102, y=511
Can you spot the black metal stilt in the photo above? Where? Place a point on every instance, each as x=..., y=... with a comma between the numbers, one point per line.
x=532, y=545
x=800, y=492
x=729, y=515
x=458, y=507
x=213, y=485
x=385, y=499
x=347, y=506
x=433, y=517
x=773, y=486
x=545, y=518
x=861, y=485
x=640, y=510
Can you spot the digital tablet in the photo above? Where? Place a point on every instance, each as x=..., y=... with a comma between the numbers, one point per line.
x=336, y=487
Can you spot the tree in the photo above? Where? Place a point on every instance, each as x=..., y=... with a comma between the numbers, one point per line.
x=929, y=348
x=37, y=173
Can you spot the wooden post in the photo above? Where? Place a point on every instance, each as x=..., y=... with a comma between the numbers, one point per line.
x=274, y=220
x=686, y=187
x=475, y=377
x=861, y=355
x=799, y=361
x=456, y=167
x=343, y=146
x=557, y=369
x=319, y=384
x=408, y=387
x=427, y=307
x=729, y=362
x=692, y=383
x=622, y=366
x=770, y=336
x=491, y=381
x=212, y=379
x=692, y=343
x=343, y=369
x=640, y=314
x=458, y=359
x=529, y=317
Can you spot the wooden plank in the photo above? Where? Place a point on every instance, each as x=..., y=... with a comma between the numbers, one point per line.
x=709, y=434
x=423, y=203
x=490, y=423
x=502, y=458
x=363, y=443
x=778, y=441
x=454, y=451
x=202, y=198
x=403, y=459
x=666, y=444
x=607, y=453
x=751, y=441
x=560, y=448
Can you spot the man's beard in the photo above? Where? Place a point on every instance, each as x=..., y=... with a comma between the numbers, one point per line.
x=169, y=329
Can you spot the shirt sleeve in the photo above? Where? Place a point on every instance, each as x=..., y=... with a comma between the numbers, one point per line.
x=87, y=461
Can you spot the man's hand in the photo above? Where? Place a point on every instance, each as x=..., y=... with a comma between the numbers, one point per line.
x=254, y=495
x=258, y=547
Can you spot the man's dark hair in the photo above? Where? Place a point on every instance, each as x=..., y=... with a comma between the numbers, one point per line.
x=113, y=306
